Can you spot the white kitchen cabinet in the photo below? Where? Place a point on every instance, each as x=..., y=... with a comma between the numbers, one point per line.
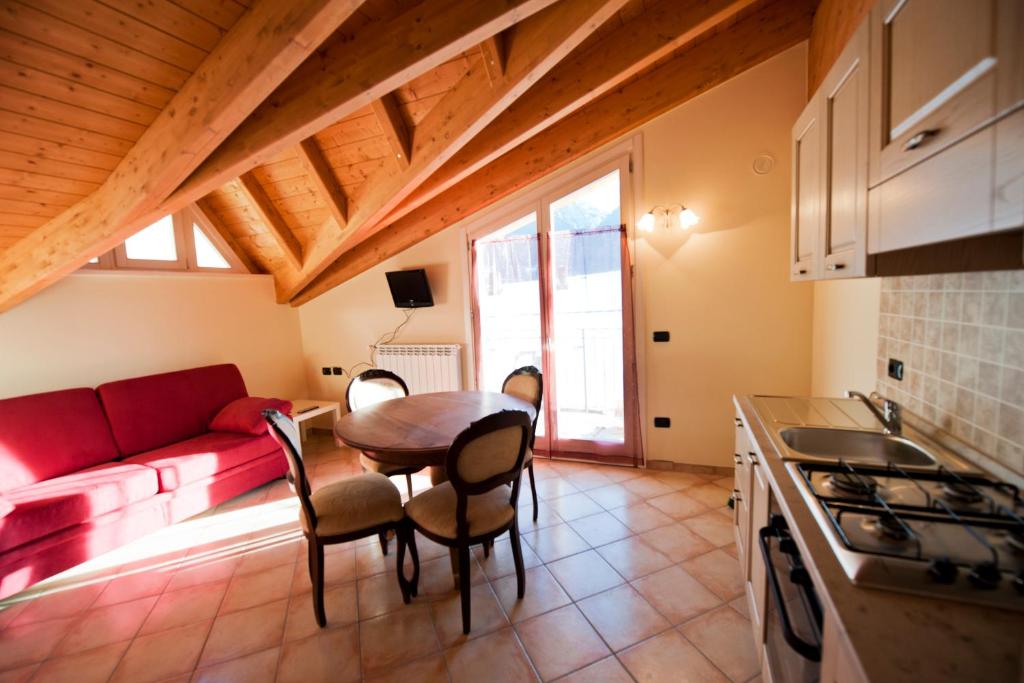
x=740, y=495
x=757, y=581
x=830, y=152
x=942, y=72
x=806, y=200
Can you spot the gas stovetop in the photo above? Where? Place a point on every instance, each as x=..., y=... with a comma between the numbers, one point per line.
x=936, y=532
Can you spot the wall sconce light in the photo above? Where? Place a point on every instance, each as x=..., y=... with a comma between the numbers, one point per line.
x=675, y=215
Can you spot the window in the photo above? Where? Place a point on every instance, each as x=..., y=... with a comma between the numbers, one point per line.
x=183, y=241
x=207, y=255
x=155, y=243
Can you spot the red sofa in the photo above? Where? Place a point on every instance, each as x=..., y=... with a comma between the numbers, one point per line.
x=83, y=471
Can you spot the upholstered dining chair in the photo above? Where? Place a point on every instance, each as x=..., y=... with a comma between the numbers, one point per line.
x=527, y=383
x=346, y=510
x=475, y=505
x=366, y=389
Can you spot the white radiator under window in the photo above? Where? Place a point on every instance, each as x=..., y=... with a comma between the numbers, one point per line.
x=424, y=367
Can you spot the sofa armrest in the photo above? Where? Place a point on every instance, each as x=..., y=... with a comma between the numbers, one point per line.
x=5, y=506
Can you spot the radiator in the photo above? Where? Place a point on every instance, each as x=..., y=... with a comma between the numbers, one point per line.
x=424, y=367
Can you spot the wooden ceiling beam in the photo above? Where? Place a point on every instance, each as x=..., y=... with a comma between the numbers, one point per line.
x=350, y=73
x=581, y=78
x=537, y=44
x=774, y=28
x=393, y=123
x=271, y=218
x=492, y=51
x=210, y=220
x=325, y=184
x=228, y=85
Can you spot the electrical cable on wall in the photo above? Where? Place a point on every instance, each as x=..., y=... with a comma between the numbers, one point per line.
x=385, y=338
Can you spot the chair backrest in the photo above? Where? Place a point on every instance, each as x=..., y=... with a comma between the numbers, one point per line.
x=373, y=386
x=487, y=454
x=286, y=434
x=526, y=383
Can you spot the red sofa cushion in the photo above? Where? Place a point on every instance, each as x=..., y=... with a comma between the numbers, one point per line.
x=151, y=412
x=48, y=435
x=245, y=415
x=5, y=506
x=203, y=456
x=48, y=506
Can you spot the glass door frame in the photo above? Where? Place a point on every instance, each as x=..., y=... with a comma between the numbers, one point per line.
x=538, y=202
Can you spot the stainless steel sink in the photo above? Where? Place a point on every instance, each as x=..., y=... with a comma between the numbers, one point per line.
x=855, y=446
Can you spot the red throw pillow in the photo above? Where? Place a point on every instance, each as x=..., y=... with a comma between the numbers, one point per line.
x=245, y=415
x=5, y=506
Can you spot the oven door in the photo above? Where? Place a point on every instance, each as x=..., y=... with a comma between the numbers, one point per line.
x=793, y=617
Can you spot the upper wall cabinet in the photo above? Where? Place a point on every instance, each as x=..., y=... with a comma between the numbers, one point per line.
x=942, y=72
x=921, y=135
x=830, y=179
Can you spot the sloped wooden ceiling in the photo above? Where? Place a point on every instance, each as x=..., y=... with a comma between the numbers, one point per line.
x=355, y=130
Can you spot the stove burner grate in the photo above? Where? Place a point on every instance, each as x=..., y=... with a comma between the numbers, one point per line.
x=888, y=526
x=852, y=483
x=961, y=492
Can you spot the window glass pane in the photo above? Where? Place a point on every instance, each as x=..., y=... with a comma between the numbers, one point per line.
x=592, y=207
x=155, y=243
x=586, y=291
x=207, y=255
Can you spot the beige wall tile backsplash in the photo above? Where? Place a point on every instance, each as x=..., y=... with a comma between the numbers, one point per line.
x=961, y=338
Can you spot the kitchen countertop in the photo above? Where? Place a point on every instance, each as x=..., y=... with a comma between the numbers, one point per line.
x=894, y=636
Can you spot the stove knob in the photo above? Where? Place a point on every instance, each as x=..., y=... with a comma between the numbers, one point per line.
x=942, y=570
x=985, y=575
x=1018, y=583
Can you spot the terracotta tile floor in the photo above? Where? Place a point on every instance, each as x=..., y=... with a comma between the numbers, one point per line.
x=630, y=576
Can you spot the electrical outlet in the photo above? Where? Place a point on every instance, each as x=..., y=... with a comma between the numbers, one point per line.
x=335, y=370
x=325, y=371
x=896, y=369
x=661, y=336
x=662, y=422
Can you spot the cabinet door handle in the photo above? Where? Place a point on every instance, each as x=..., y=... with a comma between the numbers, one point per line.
x=835, y=266
x=753, y=458
x=738, y=458
x=739, y=422
x=916, y=141
x=736, y=495
x=802, y=271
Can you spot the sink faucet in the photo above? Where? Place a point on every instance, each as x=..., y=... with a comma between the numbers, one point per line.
x=890, y=415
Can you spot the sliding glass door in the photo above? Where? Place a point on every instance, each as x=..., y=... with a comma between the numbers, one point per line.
x=552, y=289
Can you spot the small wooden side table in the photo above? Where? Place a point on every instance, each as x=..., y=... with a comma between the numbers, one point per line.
x=305, y=409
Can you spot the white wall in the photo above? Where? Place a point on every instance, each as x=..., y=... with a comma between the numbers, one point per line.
x=738, y=325
x=339, y=326
x=94, y=327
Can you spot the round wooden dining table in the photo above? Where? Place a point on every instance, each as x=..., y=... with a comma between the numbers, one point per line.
x=418, y=429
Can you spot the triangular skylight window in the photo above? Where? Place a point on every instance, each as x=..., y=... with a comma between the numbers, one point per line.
x=207, y=255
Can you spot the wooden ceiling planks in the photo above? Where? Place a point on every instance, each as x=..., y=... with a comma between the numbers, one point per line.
x=758, y=33
x=322, y=183
x=79, y=84
x=226, y=87
x=534, y=47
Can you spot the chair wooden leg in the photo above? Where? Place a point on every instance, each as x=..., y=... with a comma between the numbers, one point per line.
x=316, y=577
x=517, y=556
x=383, y=536
x=533, y=490
x=403, y=585
x=408, y=484
x=411, y=539
x=464, y=585
x=487, y=548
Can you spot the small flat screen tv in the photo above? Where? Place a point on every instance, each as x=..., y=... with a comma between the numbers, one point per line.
x=410, y=288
